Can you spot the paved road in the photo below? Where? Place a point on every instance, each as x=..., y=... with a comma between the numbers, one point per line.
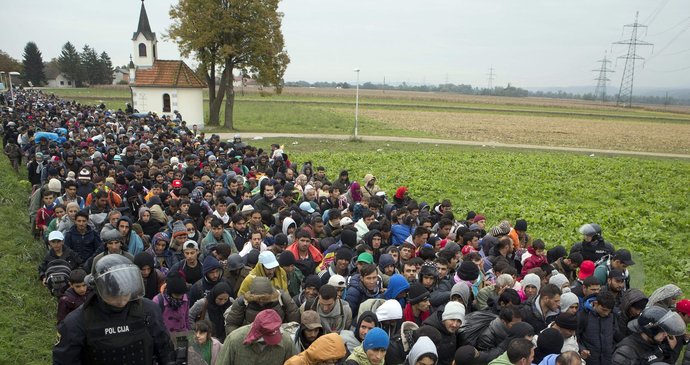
x=455, y=142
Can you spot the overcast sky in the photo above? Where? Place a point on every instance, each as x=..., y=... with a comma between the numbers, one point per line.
x=529, y=43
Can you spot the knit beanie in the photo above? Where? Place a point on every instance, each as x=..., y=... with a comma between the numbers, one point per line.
x=110, y=234
x=375, y=339
x=343, y=253
x=389, y=310
x=417, y=293
x=175, y=284
x=178, y=229
x=55, y=185
x=454, y=310
x=468, y=271
x=252, y=257
x=567, y=321
x=568, y=299
x=312, y=281
x=465, y=355
x=532, y=279
x=143, y=259
x=559, y=280
x=550, y=341
x=286, y=258
x=349, y=237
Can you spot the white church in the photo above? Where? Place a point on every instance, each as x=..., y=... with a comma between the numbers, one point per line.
x=162, y=86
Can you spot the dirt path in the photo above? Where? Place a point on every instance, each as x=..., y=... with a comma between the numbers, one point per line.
x=225, y=136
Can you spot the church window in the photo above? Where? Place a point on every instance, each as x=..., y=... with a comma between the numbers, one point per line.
x=142, y=50
x=166, y=103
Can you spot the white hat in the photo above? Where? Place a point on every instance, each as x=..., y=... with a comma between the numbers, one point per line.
x=454, y=310
x=247, y=209
x=56, y=235
x=268, y=260
x=189, y=244
x=305, y=206
x=345, y=221
x=337, y=281
x=389, y=310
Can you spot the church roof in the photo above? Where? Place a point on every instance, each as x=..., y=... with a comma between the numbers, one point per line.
x=168, y=73
x=144, y=27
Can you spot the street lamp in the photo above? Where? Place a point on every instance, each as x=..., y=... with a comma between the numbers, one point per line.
x=12, y=73
x=357, y=104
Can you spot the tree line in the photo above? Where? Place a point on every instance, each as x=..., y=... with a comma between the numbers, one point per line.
x=87, y=67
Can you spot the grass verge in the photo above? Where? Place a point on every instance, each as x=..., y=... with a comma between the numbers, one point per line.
x=28, y=311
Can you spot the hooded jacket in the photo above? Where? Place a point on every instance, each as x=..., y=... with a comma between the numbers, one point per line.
x=359, y=357
x=446, y=348
x=533, y=261
x=210, y=242
x=202, y=287
x=595, y=334
x=401, y=343
x=325, y=348
x=423, y=346
x=357, y=293
x=279, y=280
x=338, y=319
x=234, y=351
x=246, y=307
x=628, y=298
x=351, y=338
x=396, y=285
x=133, y=242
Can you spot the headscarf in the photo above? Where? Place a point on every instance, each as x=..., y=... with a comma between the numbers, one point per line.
x=215, y=312
x=355, y=192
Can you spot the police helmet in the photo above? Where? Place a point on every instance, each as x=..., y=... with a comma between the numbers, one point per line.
x=654, y=320
x=117, y=280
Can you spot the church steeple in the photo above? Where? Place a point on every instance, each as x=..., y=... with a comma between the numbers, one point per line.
x=144, y=41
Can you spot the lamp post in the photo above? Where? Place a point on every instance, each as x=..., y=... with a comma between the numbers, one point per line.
x=12, y=73
x=357, y=105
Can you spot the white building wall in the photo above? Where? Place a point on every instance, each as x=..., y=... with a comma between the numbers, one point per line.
x=188, y=101
x=60, y=82
x=143, y=61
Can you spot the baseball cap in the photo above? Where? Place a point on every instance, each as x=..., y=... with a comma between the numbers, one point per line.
x=305, y=206
x=365, y=257
x=337, y=281
x=311, y=320
x=623, y=256
x=176, y=184
x=586, y=269
x=682, y=306
x=56, y=235
x=190, y=244
x=268, y=260
x=616, y=274
x=345, y=221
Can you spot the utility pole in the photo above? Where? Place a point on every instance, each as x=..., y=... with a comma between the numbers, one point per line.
x=491, y=75
x=600, y=91
x=626, y=90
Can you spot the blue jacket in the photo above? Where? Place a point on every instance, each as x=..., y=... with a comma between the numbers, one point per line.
x=85, y=245
x=357, y=293
x=399, y=233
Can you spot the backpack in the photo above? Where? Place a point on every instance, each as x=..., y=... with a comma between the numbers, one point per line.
x=57, y=277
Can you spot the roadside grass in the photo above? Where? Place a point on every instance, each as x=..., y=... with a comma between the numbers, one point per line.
x=28, y=311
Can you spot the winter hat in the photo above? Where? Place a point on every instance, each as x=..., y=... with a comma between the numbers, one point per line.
x=281, y=239
x=505, y=280
x=462, y=290
x=400, y=192
x=375, y=339
x=532, y=279
x=71, y=176
x=499, y=230
x=454, y=310
x=286, y=258
x=365, y=257
x=55, y=185
x=85, y=174
x=550, y=341
x=343, y=253
x=386, y=260
x=261, y=290
x=567, y=321
x=466, y=355
x=521, y=225
x=235, y=262
x=468, y=271
x=175, y=284
x=452, y=247
x=521, y=329
x=252, y=257
x=209, y=264
x=389, y=310
x=683, y=307
x=555, y=253
x=423, y=346
x=477, y=218
x=337, y=281
x=559, y=280
x=143, y=259
x=108, y=235
x=417, y=293
x=568, y=299
x=178, y=229
x=312, y=281
x=311, y=320
x=349, y=237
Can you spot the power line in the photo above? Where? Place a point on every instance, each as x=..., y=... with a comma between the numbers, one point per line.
x=656, y=12
x=600, y=91
x=670, y=42
x=627, y=80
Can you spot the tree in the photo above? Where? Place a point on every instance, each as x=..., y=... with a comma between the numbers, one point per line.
x=33, y=65
x=91, y=65
x=69, y=63
x=228, y=35
x=7, y=63
x=105, y=69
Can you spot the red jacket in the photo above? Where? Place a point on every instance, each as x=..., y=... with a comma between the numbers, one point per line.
x=532, y=261
x=408, y=315
x=316, y=255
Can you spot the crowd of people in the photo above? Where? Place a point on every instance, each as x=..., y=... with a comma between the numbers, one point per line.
x=164, y=243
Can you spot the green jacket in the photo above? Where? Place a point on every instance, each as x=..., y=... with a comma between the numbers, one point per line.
x=501, y=360
x=235, y=352
x=295, y=279
x=359, y=357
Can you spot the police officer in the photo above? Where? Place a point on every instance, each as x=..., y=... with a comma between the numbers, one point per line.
x=117, y=325
x=593, y=247
x=655, y=338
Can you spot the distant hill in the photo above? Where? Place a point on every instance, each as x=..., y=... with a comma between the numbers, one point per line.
x=641, y=91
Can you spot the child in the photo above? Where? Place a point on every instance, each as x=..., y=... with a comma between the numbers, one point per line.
x=58, y=213
x=596, y=329
x=537, y=257
x=174, y=304
x=46, y=212
x=74, y=296
x=203, y=345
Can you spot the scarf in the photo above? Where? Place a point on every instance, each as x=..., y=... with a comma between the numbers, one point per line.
x=172, y=302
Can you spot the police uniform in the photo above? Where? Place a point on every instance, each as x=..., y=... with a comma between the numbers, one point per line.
x=93, y=334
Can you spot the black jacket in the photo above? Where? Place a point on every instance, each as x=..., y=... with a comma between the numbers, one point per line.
x=449, y=341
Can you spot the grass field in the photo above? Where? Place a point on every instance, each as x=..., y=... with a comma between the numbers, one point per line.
x=28, y=311
x=532, y=121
